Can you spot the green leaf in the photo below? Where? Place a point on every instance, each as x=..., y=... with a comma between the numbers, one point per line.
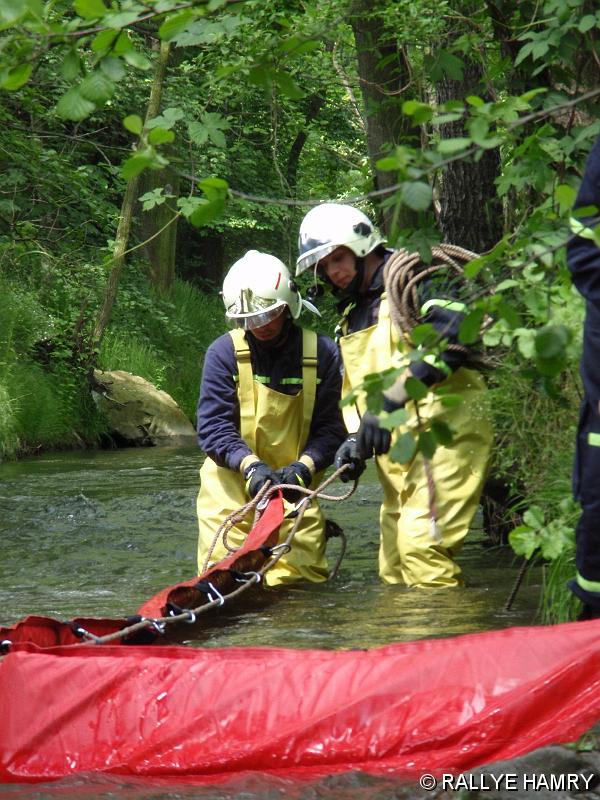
x=97, y=87
x=121, y=19
x=394, y=419
x=404, y=448
x=524, y=541
x=214, y=188
x=136, y=164
x=470, y=327
x=417, y=195
x=17, y=77
x=11, y=12
x=103, y=41
x=534, y=517
x=90, y=9
x=153, y=198
x=71, y=66
x=442, y=432
x=587, y=23
x=198, y=133
x=133, y=123
x=174, y=25
x=137, y=60
x=556, y=540
x=452, y=65
x=113, y=68
x=160, y=136
x=441, y=119
x=296, y=45
x=74, y=106
x=523, y=53
x=565, y=197
x=427, y=444
x=475, y=101
x=474, y=267
x=387, y=164
x=453, y=145
x=551, y=341
x=450, y=400
x=288, y=85
x=415, y=388
x=167, y=119
x=421, y=334
x=421, y=112
x=207, y=212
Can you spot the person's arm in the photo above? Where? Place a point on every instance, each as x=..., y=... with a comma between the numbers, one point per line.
x=327, y=429
x=218, y=419
x=583, y=254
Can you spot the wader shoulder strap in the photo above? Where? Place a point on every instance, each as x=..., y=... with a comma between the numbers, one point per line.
x=309, y=380
x=245, y=387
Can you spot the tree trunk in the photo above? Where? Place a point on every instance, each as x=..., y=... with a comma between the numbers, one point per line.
x=470, y=212
x=384, y=78
x=158, y=227
x=127, y=206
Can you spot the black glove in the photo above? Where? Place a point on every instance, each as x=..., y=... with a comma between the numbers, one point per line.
x=296, y=473
x=348, y=454
x=371, y=439
x=256, y=475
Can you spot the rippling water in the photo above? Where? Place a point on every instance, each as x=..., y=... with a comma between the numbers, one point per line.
x=97, y=533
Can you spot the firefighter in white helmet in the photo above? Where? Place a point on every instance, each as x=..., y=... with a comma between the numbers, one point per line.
x=345, y=250
x=268, y=411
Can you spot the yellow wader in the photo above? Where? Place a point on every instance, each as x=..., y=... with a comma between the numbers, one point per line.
x=409, y=552
x=275, y=426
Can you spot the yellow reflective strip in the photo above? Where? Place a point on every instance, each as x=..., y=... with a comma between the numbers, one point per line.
x=594, y=439
x=589, y=586
x=579, y=229
x=451, y=305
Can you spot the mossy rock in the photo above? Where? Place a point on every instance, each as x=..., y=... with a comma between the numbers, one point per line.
x=138, y=413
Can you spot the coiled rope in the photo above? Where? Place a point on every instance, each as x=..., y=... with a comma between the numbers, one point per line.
x=403, y=273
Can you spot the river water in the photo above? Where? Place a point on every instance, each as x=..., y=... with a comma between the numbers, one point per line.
x=95, y=533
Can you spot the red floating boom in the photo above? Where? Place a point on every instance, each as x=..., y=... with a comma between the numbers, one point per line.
x=441, y=705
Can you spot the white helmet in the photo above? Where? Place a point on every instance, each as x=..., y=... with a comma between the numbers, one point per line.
x=331, y=225
x=256, y=290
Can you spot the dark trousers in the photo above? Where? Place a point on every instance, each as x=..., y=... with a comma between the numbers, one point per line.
x=586, y=489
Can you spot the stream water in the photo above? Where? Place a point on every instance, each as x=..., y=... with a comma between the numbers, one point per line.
x=95, y=533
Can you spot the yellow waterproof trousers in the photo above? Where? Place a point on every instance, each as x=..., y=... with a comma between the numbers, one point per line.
x=411, y=551
x=275, y=426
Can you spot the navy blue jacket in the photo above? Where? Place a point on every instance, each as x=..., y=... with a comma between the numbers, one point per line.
x=218, y=420
x=583, y=259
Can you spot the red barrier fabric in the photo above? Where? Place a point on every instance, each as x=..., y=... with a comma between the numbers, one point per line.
x=265, y=531
x=43, y=632
x=437, y=705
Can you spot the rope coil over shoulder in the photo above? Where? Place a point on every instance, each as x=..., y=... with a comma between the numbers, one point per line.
x=403, y=273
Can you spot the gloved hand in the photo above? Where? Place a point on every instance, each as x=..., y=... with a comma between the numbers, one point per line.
x=256, y=475
x=347, y=453
x=371, y=439
x=296, y=473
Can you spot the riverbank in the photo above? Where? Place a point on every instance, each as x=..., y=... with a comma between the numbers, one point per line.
x=45, y=398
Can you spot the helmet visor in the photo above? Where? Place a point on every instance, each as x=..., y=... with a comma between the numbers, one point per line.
x=256, y=319
x=312, y=257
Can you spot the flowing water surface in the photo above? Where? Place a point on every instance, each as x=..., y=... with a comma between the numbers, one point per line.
x=96, y=533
